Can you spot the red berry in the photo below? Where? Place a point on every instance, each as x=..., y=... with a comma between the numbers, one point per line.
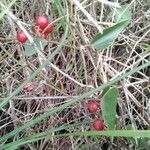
x=48, y=29
x=98, y=124
x=21, y=37
x=93, y=106
x=41, y=21
x=28, y=88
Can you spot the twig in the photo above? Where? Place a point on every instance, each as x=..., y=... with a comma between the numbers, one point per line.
x=66, y=75
x=110, y=3
x=47, y=97
x=88, y=15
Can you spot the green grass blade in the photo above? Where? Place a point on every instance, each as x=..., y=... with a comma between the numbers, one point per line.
x=39, y=136
x=61, y=12
x=4, y=11
x=113, y=133
x=109, y=133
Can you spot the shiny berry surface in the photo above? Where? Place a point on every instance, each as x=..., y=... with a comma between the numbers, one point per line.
x=21, y=37
x=98, y=125
x=41, y=21
x=93, y=106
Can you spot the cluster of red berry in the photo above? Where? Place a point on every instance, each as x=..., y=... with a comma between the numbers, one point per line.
x=93, y=107
x=41, y=28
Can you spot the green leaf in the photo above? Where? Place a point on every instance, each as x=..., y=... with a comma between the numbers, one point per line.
x=31, y=49
x=102, y=41
x=109, y=104
x=105, y=90
x=123, y=13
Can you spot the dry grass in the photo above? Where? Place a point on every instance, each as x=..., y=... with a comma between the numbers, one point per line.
x=80, y=68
